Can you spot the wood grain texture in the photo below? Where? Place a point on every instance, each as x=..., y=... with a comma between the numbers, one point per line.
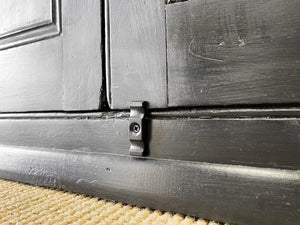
x=60, y=73
x=137, y=53
x=233, y=52
x=82, y=65
x=237, y=194
x=261, y=142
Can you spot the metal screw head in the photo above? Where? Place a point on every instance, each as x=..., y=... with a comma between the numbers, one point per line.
x=135, y=128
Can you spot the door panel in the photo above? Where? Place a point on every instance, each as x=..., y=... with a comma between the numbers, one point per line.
x=24, y=22
x=47, y=67
x=137, y=52
x=28, y=14
x=233, y=52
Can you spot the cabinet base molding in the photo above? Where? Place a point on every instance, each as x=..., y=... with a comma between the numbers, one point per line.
x=212, y=191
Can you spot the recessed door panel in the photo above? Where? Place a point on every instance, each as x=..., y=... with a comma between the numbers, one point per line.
x=233, y=52
x=24, y=22
x=50, y=55
x=17, y=16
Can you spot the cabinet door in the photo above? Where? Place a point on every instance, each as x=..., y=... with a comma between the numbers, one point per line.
x=217, y=52
x=50, y=55
x=225, y=52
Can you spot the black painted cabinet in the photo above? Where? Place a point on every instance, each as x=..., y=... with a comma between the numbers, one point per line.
x=222, y=83
x=204, y=53
x=187, y=53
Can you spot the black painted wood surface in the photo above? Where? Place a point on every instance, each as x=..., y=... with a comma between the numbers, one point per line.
x=94, y=132
x=212, y=136
x=255, y=142
x=238, y=194
x=136, y=56
x=208, y=162
x=224, y=52
x=53, y=73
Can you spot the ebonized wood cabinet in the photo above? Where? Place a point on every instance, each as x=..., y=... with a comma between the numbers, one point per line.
x=222, y=83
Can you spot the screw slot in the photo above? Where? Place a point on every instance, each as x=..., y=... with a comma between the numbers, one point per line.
x=135, y=128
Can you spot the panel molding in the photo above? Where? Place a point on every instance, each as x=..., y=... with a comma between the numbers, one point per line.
x=34, y=33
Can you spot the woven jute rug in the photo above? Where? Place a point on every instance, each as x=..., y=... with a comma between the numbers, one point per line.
x=28, y=204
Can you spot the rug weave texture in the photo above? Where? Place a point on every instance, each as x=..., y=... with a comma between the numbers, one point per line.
x=28, y=204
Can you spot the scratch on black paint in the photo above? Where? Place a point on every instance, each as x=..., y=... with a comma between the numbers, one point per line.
x=201, y=56
x=174, y=1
